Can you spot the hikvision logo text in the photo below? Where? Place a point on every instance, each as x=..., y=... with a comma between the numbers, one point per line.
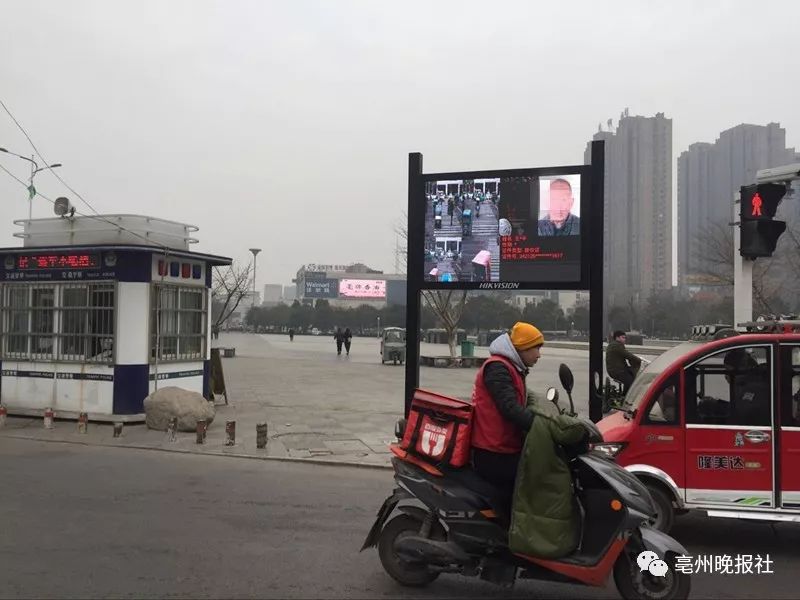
x=499, y=286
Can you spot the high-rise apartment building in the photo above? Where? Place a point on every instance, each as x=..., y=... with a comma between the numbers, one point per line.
x=637, y=253
x=708, y=177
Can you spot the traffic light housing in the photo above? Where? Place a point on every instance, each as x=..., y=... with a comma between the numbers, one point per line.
x=759, y=231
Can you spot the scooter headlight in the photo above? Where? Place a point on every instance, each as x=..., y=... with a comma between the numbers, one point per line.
x=610, y=449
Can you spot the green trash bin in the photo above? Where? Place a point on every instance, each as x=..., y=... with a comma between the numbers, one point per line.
x=467, y=348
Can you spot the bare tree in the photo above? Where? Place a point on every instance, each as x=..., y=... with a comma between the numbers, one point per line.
x=401, y=230
x=713, y=255
x=712, y=252
x=448, y=306
x=230, y=284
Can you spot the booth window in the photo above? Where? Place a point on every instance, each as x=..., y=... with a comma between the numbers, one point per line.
x=178, y=320
x=87, y=322
x=65, y=322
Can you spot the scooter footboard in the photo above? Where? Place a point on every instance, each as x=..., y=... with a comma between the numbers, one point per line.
x=661, y=543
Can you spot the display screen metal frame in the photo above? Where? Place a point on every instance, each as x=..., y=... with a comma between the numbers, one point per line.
x=591, y=253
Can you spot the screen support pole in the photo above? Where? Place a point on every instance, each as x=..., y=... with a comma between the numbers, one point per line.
x=414, y=275
x=596, y=293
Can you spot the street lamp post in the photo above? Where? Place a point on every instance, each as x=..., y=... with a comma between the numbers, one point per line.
x=35, y=168
x=255, y=252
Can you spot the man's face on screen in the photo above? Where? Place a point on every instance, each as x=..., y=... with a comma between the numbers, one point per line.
x=560, y=201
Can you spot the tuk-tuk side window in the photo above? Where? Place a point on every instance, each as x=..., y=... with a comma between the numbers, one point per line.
x=664, y=409
x=790, y=386
x=730, y=388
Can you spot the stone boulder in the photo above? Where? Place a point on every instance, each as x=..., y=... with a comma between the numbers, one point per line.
x=168, y=402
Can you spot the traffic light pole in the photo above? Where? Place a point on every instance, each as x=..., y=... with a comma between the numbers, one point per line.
x=742, y=275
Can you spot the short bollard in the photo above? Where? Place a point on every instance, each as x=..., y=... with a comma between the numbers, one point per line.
x=230, y=433
x=201, y=431
x=48, y=418
x=172, y=429
x=83, y=421
x=261, y=435
x=3, y=413
x=117, y=430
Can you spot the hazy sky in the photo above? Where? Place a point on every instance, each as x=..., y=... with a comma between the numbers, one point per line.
x=287, y=125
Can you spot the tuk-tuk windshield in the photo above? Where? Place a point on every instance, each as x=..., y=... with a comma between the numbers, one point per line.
x=651, y=372
x=393, y=336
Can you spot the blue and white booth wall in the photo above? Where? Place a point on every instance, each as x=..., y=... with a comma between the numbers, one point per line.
x=118, y=387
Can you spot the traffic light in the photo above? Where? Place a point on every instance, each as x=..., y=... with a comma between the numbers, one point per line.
x=759, y=230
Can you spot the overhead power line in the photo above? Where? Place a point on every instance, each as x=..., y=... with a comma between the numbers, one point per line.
x=98, y=217
x=95, y=217
x=39, y=154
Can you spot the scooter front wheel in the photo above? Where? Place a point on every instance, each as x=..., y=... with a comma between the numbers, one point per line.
x=635, y=584
x=411, y=574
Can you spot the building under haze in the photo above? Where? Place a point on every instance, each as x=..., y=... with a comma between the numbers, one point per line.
x=637, y=225
x=349, y=286
x=273, y=293
x=709, y=175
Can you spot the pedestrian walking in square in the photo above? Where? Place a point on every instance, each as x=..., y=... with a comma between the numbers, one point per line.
x=339, y=337
x=347, y=337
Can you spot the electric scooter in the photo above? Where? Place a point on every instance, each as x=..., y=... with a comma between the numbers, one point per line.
x=452, y=523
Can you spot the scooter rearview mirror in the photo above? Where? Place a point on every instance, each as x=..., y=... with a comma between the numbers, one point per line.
x=552, y=395
x=565, y=375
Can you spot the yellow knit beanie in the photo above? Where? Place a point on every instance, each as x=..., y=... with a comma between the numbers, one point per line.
x=525, y=335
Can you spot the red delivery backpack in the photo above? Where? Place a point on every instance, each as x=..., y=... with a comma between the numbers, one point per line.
x=439, y=429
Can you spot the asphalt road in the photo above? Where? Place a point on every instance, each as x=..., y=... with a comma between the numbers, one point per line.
x=81, y=521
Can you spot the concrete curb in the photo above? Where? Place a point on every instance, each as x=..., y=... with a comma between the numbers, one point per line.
x=313, y=461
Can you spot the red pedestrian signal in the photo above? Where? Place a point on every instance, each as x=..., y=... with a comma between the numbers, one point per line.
x=756, y=205
x=759, y=231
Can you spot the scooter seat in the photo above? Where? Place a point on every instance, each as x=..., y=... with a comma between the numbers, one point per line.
x=491, y=494
x=467, y=477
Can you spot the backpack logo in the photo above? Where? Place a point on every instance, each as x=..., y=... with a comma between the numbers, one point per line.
x=433, y=438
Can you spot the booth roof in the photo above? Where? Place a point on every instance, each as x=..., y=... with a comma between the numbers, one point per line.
x=211, y=259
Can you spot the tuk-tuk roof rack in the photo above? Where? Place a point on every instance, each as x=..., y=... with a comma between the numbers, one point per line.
x=772, y=326
x=717, y=331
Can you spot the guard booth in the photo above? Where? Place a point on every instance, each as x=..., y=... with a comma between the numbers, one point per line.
x=97, y=312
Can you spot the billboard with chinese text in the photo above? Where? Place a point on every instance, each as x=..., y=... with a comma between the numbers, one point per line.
x=362, y=288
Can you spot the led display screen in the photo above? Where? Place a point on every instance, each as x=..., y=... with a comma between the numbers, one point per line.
x=58, y=261
x=504, y=229
x=362, y=288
